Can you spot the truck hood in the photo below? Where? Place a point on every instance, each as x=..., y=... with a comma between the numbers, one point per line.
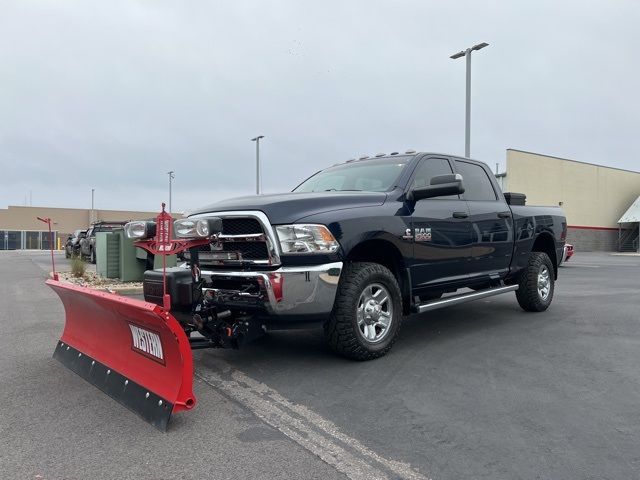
x=289, y=207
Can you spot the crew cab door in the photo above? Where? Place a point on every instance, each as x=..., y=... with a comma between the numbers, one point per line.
x=440, y=230
x=490, y=221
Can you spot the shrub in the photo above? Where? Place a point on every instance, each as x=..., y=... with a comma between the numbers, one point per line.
x=78, y=267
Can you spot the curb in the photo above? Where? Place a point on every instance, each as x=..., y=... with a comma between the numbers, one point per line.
x=123, y=290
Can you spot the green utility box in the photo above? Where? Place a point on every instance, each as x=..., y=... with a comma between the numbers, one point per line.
x=141, y=254
x=113, y=255
x=132, y=268
x=117, y=257
x=108, y=254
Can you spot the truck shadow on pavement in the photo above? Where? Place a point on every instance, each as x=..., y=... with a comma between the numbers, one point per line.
x=417, y=333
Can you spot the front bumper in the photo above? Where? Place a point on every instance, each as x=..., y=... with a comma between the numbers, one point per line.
x=288, y=294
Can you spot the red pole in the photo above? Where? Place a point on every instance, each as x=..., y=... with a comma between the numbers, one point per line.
x=166, y=300
x=164, y=232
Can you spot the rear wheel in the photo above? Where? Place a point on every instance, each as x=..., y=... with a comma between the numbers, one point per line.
x=367, y=312
x=537, y=283
x=93, y=255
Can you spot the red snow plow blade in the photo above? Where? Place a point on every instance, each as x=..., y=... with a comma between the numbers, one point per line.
x=134, y=351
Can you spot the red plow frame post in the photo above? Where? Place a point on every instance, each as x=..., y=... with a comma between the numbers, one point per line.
x=135, y=351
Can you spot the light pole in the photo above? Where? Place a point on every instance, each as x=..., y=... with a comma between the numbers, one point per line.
x=257, y=140
x=467, y=123
x=93, y=191
x=171, y=177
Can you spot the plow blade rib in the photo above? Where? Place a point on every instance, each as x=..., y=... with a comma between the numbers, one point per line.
x=132, y=350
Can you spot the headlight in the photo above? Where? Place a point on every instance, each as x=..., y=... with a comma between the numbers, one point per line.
x=203, y=228
x=140, y=229
x=306, y=239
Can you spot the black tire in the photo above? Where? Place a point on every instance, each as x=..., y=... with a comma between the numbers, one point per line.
x=343, y=332
x=530, y=297
x=66, y=253
x=93, y=256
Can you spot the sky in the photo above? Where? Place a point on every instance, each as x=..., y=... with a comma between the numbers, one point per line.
x=112, y=95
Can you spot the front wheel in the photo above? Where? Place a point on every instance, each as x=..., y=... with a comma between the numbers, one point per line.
x=367, y=312
x=93, y=256
x=537, y=283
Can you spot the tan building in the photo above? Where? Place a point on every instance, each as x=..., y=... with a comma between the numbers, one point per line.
x=594, y=197
x=21, y=229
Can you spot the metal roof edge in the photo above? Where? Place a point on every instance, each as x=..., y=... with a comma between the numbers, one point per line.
x=632, y=214
x=571, y=160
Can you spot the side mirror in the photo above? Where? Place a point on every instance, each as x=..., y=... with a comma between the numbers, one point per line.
x=441, y=185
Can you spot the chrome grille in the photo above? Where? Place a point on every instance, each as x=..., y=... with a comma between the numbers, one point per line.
x=242, y=240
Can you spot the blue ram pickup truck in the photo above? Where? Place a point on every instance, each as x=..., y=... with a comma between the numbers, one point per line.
x=358, y=246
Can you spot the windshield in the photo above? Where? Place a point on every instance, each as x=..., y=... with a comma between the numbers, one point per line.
x=374, y=175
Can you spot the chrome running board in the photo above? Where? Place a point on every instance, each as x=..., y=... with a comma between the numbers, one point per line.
x=463, y=298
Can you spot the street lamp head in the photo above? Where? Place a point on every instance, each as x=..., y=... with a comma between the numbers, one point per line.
x=462, y=53
x=257, y=138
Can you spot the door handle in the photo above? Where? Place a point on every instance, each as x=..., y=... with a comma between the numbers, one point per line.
x=504, y=214
x=460, y=214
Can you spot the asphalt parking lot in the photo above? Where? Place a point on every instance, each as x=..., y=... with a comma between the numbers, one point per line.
x=477, y=391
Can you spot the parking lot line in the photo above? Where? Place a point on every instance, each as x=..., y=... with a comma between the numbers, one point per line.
x=305, y=427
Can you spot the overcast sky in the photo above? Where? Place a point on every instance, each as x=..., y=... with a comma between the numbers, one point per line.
x=111, y=95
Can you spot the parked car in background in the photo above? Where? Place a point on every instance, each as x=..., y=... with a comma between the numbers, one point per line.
x=88, y=244
x=567, y=253
x=72, y=246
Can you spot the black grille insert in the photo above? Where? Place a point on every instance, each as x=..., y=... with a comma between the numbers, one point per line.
x=249, y=250
x=240, y=226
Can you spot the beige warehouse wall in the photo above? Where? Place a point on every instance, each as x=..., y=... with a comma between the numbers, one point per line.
x=592, y=195
x=66, y=219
